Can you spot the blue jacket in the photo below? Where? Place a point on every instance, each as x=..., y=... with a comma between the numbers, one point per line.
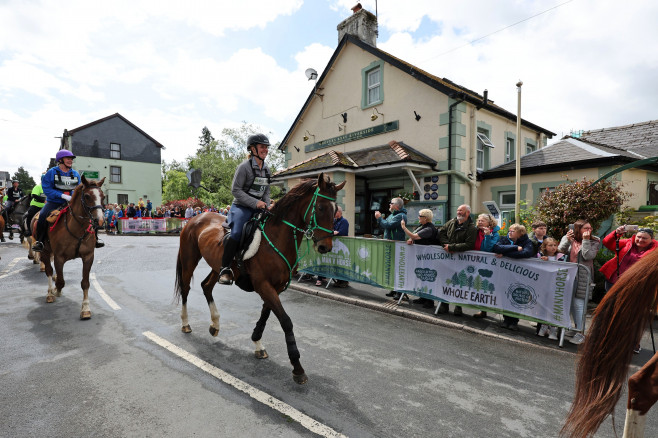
x=53, y=194
x=508, y=248
x=391, y=225
x=342, y=226
x=490, y=240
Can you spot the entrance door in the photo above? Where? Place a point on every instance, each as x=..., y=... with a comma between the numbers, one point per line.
x=379, y=201
x=653, y=193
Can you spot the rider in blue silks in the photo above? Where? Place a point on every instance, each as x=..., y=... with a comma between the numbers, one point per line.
x=251, y=191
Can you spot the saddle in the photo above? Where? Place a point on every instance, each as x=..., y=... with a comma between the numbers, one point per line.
x=249, y=243
x=52, y=217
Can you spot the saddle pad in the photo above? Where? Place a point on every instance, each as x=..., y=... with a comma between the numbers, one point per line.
x=52, y=217
x=253, y=246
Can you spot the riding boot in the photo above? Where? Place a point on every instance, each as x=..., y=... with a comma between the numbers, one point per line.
x=41, y=237
x=230, y=248
x=99, y=242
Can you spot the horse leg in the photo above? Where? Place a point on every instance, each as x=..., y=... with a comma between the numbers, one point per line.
x=185, y=266
x=258, y=333
x=273, y=302
x=85, y=312
x=207, y=285
x=59, y=277
x=48, y=268
x=642, y=395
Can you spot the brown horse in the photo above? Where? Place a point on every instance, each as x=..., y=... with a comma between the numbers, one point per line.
x=73, y=236
x=617, y=326
x=308, y=208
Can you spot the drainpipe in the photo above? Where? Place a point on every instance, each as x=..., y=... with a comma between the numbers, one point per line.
x=461, y=97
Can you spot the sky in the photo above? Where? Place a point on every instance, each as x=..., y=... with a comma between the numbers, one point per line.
x=173, y=67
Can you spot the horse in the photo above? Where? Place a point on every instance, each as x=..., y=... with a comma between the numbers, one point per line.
x=29, y=241
x=16, y=217
x=308, y=207
x=617, y=326
x=73, y=236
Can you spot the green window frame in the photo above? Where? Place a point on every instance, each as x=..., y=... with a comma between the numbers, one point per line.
x=372, y=88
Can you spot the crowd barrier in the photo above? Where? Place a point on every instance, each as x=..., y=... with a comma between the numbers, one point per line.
x=530, y=289
x=147, y=225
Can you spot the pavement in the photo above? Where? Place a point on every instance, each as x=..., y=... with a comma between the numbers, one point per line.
x=375, y=298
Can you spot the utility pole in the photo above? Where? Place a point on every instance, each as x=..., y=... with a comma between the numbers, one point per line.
x=517, y=195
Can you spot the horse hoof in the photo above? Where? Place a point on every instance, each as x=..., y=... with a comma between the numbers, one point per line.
x=85, y=315
x=213, y=331
x=301, y=379
x=30, y=257
x=50, y=299
x=35, y=262
x=261, y=354
x=186, y=329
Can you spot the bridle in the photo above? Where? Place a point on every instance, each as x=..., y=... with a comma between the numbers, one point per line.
x=309, y=232
x=88, y=222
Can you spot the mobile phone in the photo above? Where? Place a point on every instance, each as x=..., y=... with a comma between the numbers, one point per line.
x=631, y=228
x=571, y=227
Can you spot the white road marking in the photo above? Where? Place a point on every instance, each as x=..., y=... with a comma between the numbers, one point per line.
x=110, y=302
x=258, y=395
x=7, y=272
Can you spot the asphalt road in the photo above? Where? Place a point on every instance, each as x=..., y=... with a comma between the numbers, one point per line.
x=131, y=372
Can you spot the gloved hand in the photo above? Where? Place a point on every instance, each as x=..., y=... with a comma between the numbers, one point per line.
x=66, y=197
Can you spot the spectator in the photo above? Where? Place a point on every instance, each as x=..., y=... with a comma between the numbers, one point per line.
x=581, y=247
x=548, y=251
x=130, y=212
x=391, y=226
x=108, y=213
x=177, y=213
x=537, y=235
x=425, y=234
x=629, y=251
x=166, y=213
x=149, y=206
x=516, y=245
x=485, y=240
x=458, y=234
x=138, y=212
x=189, y=212
x=140, y=204
x=341, y=228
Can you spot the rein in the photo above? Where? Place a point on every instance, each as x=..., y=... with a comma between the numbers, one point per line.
x=312, y=225
x=87, y=221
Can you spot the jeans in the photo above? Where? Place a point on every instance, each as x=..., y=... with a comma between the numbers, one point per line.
x=237, y=217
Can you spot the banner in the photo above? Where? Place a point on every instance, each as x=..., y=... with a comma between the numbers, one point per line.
x=530, y=287
x=526, y=288
x=150, y=225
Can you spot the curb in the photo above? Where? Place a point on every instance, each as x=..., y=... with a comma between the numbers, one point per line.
x=421, y=317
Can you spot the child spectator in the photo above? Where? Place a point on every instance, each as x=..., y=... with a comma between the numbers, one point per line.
x=548, y=251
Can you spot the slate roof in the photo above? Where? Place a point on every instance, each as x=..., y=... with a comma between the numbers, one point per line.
x=391, y=153
x=137, y=128
x=609, y=146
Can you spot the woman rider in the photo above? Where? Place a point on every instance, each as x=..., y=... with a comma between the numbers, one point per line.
x=58, y=183
x=251, y=191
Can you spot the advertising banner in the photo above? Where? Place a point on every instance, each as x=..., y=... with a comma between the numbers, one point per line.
x=150, y=225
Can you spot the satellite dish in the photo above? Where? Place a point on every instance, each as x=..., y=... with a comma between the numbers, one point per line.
x=311, y=74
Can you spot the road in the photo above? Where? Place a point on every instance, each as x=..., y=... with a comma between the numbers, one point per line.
x=129, y=371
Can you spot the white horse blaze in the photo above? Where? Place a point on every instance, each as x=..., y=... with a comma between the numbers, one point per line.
x=96, y=199
x=214, y=315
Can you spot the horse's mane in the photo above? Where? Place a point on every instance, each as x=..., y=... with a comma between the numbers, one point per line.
x=292, y=198
x=617, y=326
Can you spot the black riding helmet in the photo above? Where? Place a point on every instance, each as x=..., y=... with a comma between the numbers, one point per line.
x=257, y=139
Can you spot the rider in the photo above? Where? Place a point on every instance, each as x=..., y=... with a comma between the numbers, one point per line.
x=36, y=204
x=251, y=191
x=14, y=193
x=58, y=184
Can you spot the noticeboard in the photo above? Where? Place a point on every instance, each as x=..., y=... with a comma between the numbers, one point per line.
x=492, y=208
x=91, y=174
x=438, y=211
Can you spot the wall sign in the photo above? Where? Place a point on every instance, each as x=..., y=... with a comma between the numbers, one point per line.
x=353, y=136
x=91, y=174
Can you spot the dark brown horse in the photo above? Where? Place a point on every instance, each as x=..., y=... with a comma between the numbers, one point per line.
x=307, y=209
x=617, y=326
x=73, y=236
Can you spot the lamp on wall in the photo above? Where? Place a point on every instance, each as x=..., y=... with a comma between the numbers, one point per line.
x=374, y=116
x=296, y=148
x=344, y=115
x=307, y=135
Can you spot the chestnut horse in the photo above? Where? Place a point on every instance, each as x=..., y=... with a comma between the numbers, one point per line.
x=617, y=326
x=73, y=236
x=308, y=208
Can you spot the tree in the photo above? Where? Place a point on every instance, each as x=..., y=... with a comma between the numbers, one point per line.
x=575, y=200
x=176, y=186
x=206, y=138
x=25, y=181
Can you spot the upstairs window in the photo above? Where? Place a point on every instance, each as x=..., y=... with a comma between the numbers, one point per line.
x=483, y=145
x=529, y=147
x=374, y=84
x=372, y=78
x=115, y=151
x=509, y=150
x=115, y=174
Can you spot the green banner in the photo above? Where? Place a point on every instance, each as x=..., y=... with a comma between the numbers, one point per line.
x=353, y=136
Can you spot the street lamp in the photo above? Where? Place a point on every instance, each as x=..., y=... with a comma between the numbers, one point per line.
x=517, y=197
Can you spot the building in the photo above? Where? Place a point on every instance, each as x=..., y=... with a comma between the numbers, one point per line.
x=5, y=179
x=626, y=153
x=387, y=127
x=115, y=149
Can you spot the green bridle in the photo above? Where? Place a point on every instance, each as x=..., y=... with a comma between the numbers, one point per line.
x=312, y=225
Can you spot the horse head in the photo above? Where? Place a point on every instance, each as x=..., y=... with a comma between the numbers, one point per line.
x=324, y=211
x=91, y=198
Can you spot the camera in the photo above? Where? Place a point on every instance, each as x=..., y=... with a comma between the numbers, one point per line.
x=571, y=227
x=631, y=228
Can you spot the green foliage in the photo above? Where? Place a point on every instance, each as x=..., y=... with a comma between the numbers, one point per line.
x=175, y=186
x=25, y=181
x=575, y=200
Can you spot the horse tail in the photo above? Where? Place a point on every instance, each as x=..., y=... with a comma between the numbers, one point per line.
x=617, y=326
x=179, y=276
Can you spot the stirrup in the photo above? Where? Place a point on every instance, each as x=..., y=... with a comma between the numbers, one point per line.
x=225, y=276
x=37, y=247
x=100, y=243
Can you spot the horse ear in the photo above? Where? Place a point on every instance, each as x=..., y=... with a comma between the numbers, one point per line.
x=321, y=182
x=100, y=183
x=340, y=186
x=84, y=180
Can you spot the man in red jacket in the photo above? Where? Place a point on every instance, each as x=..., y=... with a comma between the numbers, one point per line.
x=630, y=251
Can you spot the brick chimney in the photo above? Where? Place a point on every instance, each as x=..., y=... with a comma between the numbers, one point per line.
x=361, y=24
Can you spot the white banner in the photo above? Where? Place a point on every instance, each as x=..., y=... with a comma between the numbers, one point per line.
x=530, y=287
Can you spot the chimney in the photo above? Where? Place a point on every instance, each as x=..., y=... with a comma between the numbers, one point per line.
x=361, y=24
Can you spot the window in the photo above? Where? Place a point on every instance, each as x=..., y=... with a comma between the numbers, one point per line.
x=507, y=199
x=509, y=150
x=122, y=199
x=374, y=84
x=115, y=174
x=115, y=151
x=483, y=143
x=529, y=147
